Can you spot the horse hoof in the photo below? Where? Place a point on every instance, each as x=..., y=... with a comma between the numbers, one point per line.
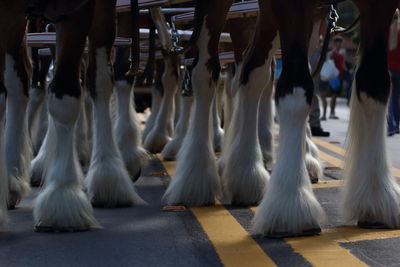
x=105, y=205
x=36, y=183
x=13, y=200
x=307, y=232
x=371, y=225
x=137, y=176
x=169, y=158
x=55, y=229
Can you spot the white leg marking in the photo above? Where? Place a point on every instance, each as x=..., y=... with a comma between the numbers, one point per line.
x=171, y=150
x=229, y=95
x=371, y=194
x=39, y=165
x=159, y=136
x=63, y=204
x=37, y=117
x=313, y=164
x=177, y=104
x=244, y=175
x=81, y=136
x=155, y=107
x=17, y=143
x=289, y=205
x=107, y=180
x=196, y=180
x=266, y=124
x=127, y=131
x=218, y=133
x=3, y=167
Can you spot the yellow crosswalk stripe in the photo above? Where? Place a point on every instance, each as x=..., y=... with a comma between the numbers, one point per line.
x=330, y=159
x=340, y=151
x=235, y=247
x=334, y=148
x=233, y=244
x=324, y=249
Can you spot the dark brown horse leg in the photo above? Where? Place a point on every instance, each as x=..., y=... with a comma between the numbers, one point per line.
x=107, y=180
x=62, y=205
x=372, y=195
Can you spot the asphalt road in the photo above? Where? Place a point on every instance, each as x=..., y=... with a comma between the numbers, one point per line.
x=210, y=236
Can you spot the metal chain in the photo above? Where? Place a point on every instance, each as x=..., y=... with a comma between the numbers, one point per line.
x=187, y=90
x=333, y=17
x=175, y=37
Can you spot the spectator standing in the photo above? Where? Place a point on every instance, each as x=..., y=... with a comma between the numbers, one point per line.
x=336, y=84
x=315, y=112
x=393, y=117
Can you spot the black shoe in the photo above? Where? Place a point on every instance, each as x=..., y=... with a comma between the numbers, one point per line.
x=318, y=131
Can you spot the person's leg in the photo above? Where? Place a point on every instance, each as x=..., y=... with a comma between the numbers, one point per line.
x=390, y=115
x=314, y=118
x=333, y=106
x=396, y=99
x=315, y=113
x=323, y=94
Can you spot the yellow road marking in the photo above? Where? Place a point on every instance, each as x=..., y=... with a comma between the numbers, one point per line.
x=234, y=246
x=340, y=151
x=169, y=167
x=328, y=184
x=355, y=234
x=331, y=147
x=323, y=251
x=330, y=159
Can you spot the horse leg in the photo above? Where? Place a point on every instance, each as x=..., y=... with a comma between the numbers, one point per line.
x=62, y=205
x=241, y=31
x=127, y=131
x=3, y=93
x=266, y=124
x=162, y=131
x=218, y=133
x=313, y=164
x=37, y=92
x=177, y=103
x=107, y=180
x=171, y=149
x=81, y=128
x=196, y=180
x=289, y=207
x=17, y=143
x=245, y=177
x=156, y=98
x=159, y=135
x=371, y=195
x=228, y=111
